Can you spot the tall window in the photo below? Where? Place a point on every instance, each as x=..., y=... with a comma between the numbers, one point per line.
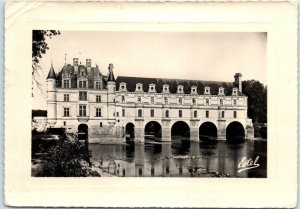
x=207, y=101
x=221, y=102
x=98, y=98
x=100, y=124
x=66, y=112
x=234, y=102
x=82, y=110
x=82, y=84
x=123, y=99
x=66, y=97
x=123, y=112
x=234, y=114
x=207, y=113
x=180, y=100
x=98, y=112
x=180, y=113
x=194, y=101
x=98, y=85
x=167, y=113
x=139, y=99
x=166, y=100
x=195, y=114
x=152, y=100
x=152, y=113
x=82, y=96
x=140, y=113
x=223, y=114
x=66, y=84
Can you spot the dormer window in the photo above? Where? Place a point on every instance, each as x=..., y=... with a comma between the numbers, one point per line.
x=152, y=88
x=123, y=86
x=82, y=84
x=180, y=89
x=235, y=91
x=206, y=90
x=166, y=88
x=98, y=85
x=66, y=83
x=194, y=90
x=139, y=87
x=221, y=91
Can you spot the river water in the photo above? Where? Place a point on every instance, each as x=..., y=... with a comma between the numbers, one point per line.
x=181, y=159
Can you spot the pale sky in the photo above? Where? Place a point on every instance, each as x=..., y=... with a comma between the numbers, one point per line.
x=184, y=55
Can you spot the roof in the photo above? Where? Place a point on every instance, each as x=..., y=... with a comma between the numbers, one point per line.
x=111, y=76
x=51, y=73
x=173, y=83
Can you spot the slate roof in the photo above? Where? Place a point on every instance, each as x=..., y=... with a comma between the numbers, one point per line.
x=51, y=73
x=173, y=83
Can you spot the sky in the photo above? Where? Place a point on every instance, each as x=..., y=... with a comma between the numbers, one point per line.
x=184, y=55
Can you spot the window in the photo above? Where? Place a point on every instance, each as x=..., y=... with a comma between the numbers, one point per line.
x=140, y=113
x=66, y=84
x=166, y=100
x=123, y=99
x=167, y=113
x=207, y=113
x=151, y=88
x=66, y=97
x=180, y=100
x=152, y=100
x=82, y=96
x=98, y=112
x=117, y=114
x=195, y=114
x=223, y=114
x=234, y=114
x=82, y=110
x=180, y=113
x=98, y=85
x=66, y=112
x=123, y=112
x=100, y=124
x=221, y=102
x=194, y=101
x=234, y=102
x=98, y=98
x=82, y=84
x=65, y=123
x=152, y=113
x=207, y=101
x=139, y=99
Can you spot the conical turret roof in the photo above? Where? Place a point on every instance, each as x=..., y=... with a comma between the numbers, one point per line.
x=51, y=73
x=111, y=76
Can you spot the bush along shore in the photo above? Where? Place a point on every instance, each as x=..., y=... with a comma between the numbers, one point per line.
x=69, y=157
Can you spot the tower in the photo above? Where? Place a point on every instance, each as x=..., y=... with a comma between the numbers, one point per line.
x=111, y=95
x=238, y=81
x=51, y=97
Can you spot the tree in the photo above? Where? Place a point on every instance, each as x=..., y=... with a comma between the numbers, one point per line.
x=257, y=100
x=39, y=47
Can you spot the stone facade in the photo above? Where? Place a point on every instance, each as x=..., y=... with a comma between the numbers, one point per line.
x=80, y=94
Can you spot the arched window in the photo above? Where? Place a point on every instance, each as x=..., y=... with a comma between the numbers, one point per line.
x=167, y=113
x=140, y=113
x=195, y=114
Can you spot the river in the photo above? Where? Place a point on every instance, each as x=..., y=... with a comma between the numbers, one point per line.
x=181, y=158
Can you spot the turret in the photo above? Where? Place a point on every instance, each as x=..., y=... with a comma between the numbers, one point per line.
x=238, y=81
x=51, y=97
x=111, y=95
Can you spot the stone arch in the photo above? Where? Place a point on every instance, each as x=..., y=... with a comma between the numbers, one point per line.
x=208, y=131
x=180, y=128
x=129, y=130
x=153, y=130
x=235, y=132
x=83, y=133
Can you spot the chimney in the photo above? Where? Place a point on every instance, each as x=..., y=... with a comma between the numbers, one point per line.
x=88, y=62
x=238, y=81
x=75, y=64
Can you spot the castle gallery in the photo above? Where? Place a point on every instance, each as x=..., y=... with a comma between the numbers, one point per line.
x=104, y=108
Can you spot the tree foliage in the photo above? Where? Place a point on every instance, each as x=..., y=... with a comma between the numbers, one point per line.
x=257, y=100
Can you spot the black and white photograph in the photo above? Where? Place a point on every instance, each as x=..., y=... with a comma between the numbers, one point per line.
x=149, y=104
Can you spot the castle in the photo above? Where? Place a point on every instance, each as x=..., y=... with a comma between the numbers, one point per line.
x=104, y=109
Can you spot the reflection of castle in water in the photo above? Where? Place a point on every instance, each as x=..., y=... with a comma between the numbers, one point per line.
x=161, y=160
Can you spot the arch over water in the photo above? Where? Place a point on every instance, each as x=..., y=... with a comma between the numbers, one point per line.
x=129, y=130
x=208, y=131
x=180, y=129
x=235, y=132
x=153, y=130
x=83, y=131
